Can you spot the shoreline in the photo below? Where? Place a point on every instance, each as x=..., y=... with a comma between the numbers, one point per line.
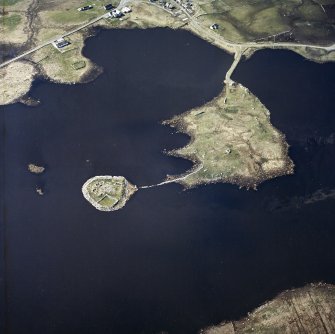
x=93, y=70
x=305, y=305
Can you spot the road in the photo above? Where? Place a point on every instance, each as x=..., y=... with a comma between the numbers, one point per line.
x=202, y=31
x=50, y=41
x=121, y=4
x=237, y=58
x=176, y=179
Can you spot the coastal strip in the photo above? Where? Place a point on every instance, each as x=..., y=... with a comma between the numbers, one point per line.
x=309, y=309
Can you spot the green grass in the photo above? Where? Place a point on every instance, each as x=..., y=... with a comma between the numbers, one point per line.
x=79, y=64
x=263, y=132
x=227, y=117
x=109, y=201
x=230, y=138
x=268, y=21
x=8, y=2
x=232, y=110
x=65, y=60
x=112, y=22
x=249, y=20
x=65, y=63
x=73, y=16
x=10, y=22
x=107, y=198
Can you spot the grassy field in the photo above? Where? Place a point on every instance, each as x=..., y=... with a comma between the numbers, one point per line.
x=250, y=20
x=8, y=2
x=72, y=16
x=46, y=34
x=10, y=22
x=62, y=66
x=67, y=65
x=232, y=140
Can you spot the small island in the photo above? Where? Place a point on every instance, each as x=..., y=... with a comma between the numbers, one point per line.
x=35, y=169
x=232, y=140
x=108, y=193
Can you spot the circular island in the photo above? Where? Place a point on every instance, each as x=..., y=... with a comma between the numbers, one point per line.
x=108, y=193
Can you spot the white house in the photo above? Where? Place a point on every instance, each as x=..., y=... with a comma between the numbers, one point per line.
x=115, y=13
x=60, y=43
x=126, y=10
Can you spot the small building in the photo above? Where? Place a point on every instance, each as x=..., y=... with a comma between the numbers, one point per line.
x=115, y=13
x=83, y=9
x=109, y=7
x=169, y=5
x=214, y=26
x=126, y=10
x=60, y=43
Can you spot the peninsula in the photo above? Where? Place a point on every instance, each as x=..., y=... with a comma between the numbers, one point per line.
x=232, y=140
x=108, y=193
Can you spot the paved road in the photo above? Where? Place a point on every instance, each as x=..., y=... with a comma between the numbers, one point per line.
x=204, y=31
x=50, y=41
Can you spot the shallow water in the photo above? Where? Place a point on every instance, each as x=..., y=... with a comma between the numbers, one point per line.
x=171, y=260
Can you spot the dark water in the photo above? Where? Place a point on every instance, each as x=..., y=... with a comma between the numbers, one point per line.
x=171, y=260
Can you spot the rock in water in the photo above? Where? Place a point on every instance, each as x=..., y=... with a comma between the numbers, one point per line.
x=35, y=169
x=108, y=193
x=39, y=191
